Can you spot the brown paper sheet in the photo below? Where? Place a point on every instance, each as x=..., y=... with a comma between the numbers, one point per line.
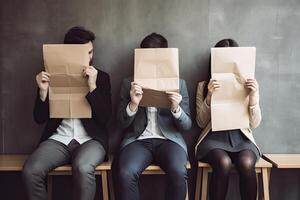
x=68, y=87
x=157, y=71
x=229, y=105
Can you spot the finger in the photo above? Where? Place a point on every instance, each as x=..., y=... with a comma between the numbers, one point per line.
x=170, y=92
x=211, y=82
x=175, y=94
x=45, y=76
x=88, y=73
x=251, y=84
x=46, y=73
x=215, y=88
x=90, y=70
x=252, y=88
x=134, y=83
x=171, y=96
x=45, y=80
x=216, y=84
x=137, y=87
x=251, y=79
x=174, y=99
x=138, y=91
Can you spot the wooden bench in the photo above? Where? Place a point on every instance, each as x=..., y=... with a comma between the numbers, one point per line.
x=262, y=166
x=284, y=161
x=101, y=170
x=14, y=162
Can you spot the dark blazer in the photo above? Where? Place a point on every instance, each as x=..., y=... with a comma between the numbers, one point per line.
x=171, y=127
x=100, y=102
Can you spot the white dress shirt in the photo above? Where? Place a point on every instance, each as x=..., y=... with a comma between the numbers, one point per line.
x=70, y=129
x=152, y=130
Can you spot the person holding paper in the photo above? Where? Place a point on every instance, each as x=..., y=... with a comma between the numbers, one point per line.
x=222, y=148
x=81, y=142
x=153, y=135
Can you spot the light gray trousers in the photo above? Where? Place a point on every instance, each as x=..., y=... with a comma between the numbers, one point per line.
x=51, y=154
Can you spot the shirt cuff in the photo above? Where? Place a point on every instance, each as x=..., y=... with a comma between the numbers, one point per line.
x=177, y=114
x=253, y=108
x=205, y=103
x=129, y=112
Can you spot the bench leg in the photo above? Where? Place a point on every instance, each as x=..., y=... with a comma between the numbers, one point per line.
x=198, y=184
x=187, y=195
x=104, y=185
x=49, y=187
x=204, y=184
x=265, y=180
x=111, y=186
x=187, y=191
x=257, y=187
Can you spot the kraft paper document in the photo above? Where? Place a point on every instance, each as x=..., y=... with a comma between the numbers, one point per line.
x=68, y=87
x=229, y=105
x=157, y=71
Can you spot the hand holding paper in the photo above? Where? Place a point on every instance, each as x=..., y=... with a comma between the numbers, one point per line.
x=68, y=85
x=136, y=95
x=42, y=80
x=252, y=85
x=157, y=72
x=91, y=73
x=212, y=86
x=175, y=99
x=234, y=69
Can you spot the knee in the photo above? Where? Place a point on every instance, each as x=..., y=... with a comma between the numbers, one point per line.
x=223, y=165
x=129, y=174
x=125, y=174
x=177, y=175
x=246, y=165
x=83, y=170
x=31, y=171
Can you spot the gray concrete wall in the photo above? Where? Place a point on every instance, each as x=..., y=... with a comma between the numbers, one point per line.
x=191, y=25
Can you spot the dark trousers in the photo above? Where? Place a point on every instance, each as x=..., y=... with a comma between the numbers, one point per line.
x=137, y=156
x=51, y=154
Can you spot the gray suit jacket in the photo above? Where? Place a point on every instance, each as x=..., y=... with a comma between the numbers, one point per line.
x=170, y=126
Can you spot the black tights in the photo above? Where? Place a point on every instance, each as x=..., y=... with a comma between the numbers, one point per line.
x=221, y=162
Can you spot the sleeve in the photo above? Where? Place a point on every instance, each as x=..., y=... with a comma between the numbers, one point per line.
x=124, y=120
x=41, y=109
x=255, y=115
x=184, y=122
x=203, y=115
x=100, y=99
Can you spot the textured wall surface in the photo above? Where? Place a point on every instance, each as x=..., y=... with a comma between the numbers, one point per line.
x=191, y=25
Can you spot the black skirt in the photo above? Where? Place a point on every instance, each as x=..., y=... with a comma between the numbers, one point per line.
x=229, y=140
